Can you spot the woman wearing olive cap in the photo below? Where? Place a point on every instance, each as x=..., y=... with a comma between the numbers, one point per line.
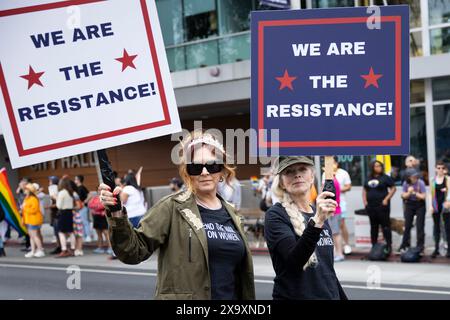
x=299, y=237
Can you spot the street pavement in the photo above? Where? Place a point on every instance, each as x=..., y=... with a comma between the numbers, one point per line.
x=101, y=278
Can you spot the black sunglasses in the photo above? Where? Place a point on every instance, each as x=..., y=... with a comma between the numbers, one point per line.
x=195, y=169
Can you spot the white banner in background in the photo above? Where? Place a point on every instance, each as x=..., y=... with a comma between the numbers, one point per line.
x=82, y=75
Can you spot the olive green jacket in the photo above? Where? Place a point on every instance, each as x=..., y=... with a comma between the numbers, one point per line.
x=175, y=227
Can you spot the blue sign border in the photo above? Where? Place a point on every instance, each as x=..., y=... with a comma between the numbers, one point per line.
x=399, y=15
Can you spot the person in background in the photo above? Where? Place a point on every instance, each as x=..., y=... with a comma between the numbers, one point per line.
x=175, y=185
x=100, y=225
x=83, y=193
x=395, y=175
x=20, y=194
x=65, y=204
x=139, y=176
x=117, y=179
x=53, y=182
x=20, y=191
x=377, y=194
x=414, y=194
x=43, y=205
x=263, y=189
x=78, y=226
x=119, y=182
x=2, y=231
x=335, y=224
x=2, y=247
x=411, y=162
x=439, y=191
x=345, y=185
x=41, y=196
x=33, y=219
x=231, y=192
x=133, y=199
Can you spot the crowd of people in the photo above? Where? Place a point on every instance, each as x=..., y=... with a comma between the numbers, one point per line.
x=72, y=208
x=304, y=226
x=77, y=213
x=378, y=190
x=71, y=205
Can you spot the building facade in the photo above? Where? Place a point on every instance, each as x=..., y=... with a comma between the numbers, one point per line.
x=208, y=49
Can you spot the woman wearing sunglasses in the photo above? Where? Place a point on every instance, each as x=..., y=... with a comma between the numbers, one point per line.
x=203, y=250
x=299, y=236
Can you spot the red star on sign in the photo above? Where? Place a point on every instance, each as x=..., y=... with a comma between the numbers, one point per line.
x=286, y=81
x=33, y=77
x=127, y=60
x=371, y=78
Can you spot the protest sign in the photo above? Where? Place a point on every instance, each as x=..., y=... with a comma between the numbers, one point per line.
x=82, y=75
x=332, y=81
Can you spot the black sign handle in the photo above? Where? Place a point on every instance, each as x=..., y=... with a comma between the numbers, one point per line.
x=108, y=177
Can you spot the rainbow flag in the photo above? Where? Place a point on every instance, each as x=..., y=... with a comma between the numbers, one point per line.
x=8, y=204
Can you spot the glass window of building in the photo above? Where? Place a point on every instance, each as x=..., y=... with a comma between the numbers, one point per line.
x=202, y=54
x=439, y=11
x=440, y=40
x=332, y=3
x=234, y=16
x=353, y=165
x=415, y=44
x=418, y=145
x=442, y=132
x=418, y=135
x=441, y=88
x=414, y=9
x=200, y=19
x=235, y=48
x=171, y=20
x=417, y=91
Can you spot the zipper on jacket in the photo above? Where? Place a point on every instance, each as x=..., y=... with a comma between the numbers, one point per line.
x=190, y=244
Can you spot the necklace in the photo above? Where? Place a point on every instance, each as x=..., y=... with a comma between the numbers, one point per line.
x=199, y=202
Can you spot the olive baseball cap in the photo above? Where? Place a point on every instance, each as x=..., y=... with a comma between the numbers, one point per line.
x=286, y=161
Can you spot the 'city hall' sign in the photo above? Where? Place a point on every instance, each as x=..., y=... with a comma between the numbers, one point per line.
x=333, y=81
x=82, y=75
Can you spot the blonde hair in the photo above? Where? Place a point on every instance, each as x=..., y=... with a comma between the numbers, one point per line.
x=297, y=219
x=202, y=138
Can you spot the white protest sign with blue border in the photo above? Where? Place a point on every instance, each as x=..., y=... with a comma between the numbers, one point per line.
x=332, y=81
x=82, y=75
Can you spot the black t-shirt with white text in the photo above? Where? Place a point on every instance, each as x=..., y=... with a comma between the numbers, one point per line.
x=288, y=251
x=226, y=252
x=377, y=188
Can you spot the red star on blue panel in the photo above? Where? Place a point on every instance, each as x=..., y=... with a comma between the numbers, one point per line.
x=286, y=81
x=371, y=78
x=127, y=60
x=33, y=77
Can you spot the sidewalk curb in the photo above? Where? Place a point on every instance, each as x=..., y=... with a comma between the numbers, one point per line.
x=355, y=255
